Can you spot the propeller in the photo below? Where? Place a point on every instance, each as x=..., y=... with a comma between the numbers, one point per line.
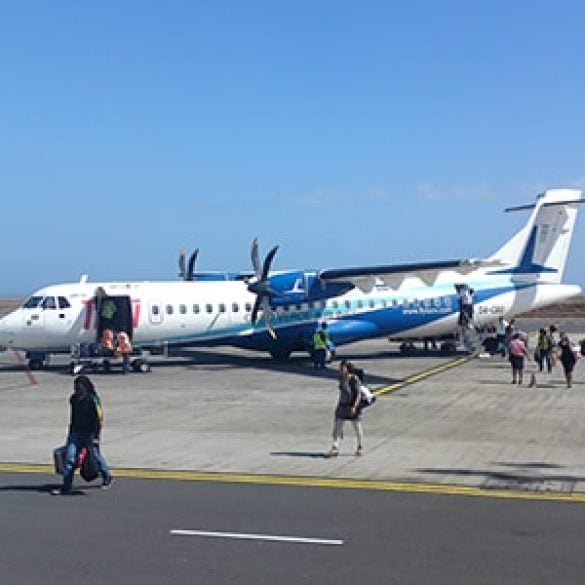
x=187, y=272
x=260, y=286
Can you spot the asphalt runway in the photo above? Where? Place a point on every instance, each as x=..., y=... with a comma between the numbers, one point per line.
x=176, y=532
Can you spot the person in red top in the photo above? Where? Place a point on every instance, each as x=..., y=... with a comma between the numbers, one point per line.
x=517, y=354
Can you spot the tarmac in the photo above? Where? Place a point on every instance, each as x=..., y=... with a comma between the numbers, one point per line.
x=439, y=420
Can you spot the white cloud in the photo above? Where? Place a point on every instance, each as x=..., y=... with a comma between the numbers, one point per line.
x=336, y=197
x=480, y=192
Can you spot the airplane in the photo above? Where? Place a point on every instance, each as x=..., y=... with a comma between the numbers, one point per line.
x=278, y=311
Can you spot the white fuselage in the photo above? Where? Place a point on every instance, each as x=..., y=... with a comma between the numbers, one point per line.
x=192, y=313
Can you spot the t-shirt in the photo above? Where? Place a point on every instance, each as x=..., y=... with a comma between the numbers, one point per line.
x=517, y=348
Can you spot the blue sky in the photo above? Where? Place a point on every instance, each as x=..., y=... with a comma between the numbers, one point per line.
x=349, y=133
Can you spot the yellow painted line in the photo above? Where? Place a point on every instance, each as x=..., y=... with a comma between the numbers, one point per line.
x=421, y=376
x=326, y=482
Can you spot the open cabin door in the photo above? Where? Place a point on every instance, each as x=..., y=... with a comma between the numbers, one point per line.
x=113, y=312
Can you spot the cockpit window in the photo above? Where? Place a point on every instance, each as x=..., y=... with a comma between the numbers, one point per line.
x=63, y=303
x=49, y=303
x=32, y=302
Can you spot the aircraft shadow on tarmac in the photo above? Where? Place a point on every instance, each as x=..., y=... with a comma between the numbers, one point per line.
x=526, y=474
x=218, y=360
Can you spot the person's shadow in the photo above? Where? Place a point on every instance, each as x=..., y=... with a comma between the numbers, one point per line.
x=308, y=454
x=45, y=488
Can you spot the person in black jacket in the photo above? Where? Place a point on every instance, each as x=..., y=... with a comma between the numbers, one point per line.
x=84, y=431
x=568, y=358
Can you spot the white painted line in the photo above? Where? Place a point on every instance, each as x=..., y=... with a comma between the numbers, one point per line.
x=266, y=537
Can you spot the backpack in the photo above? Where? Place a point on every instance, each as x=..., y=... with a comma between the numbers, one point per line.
x=367, y=398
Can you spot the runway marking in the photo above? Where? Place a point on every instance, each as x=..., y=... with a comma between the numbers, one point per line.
x=325, y=482
x=421, y=375
x=264, y=537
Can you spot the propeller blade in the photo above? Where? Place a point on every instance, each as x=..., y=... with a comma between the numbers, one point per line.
x=267, y=315
x=182, y=271
x=268, y=261
x=260, y=286
x=255, y=309
x=191, y=265
x=256, y=257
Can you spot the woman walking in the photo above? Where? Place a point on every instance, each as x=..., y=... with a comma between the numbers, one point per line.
x=568, y=359
x=517, y=354
x=347, y=408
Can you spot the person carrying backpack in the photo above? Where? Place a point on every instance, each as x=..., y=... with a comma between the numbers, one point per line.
x=348, y=408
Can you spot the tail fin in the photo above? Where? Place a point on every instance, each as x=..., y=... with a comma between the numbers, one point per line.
x=539, y=250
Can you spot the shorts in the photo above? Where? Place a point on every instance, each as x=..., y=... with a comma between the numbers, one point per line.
x=517, y=362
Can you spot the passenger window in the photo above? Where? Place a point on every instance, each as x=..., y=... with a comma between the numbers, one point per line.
x=348, y=305
x=196, y=309
x=63, y=303
x=248, y=307
x=49, y=303
x=372, y=303
x=335, y=305
x=169, y=309
x=182, y=309
x=221, y=308
x=155, y=310
x=209, y=308
x=360, y=304
x=235, y=307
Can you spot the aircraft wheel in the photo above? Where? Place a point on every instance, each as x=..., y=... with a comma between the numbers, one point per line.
x=280, y=354
x=36, y=364
x=141, y=366
x=449, y=347
x=75, y=368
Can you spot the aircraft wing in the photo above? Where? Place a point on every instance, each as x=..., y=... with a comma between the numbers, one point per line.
x=393, y=275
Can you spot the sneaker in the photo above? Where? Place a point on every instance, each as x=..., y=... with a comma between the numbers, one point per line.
x=333, y=452
x=107, y=483
x=359, y=451
x=60, y=492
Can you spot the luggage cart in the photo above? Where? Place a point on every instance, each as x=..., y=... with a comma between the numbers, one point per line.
x=89, y=357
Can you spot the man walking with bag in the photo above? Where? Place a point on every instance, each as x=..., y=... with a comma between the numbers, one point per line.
x=84, y=430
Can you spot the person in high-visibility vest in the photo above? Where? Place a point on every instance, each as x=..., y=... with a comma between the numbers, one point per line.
x=319, y=348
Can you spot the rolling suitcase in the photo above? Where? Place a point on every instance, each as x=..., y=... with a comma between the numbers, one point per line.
x=59, y=459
